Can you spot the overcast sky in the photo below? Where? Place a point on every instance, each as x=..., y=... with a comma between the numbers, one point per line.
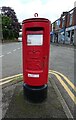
x=50, y=9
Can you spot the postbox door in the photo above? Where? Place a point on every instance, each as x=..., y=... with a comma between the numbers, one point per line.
x=35, y=59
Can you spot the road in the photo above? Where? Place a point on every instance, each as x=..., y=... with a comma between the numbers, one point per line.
x=11, y=59
x=61, y=60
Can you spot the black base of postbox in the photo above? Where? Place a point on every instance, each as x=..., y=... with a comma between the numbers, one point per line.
x=35, y=93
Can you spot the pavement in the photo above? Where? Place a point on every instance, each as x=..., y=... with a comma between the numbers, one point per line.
x=19, y=107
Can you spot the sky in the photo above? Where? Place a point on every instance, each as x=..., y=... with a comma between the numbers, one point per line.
x=50, y=9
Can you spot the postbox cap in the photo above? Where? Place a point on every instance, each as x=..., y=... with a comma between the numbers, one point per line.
x=35, y=20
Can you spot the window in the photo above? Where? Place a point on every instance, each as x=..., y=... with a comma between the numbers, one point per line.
x=63, y=21
x=71, y=18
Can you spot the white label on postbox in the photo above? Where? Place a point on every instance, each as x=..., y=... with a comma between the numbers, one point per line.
x=34, y=39
x=33, y=75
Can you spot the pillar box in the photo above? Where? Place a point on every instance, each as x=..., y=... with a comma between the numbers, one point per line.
x=36, y=47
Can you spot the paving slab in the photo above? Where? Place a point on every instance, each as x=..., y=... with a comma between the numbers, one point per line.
x=20, y=107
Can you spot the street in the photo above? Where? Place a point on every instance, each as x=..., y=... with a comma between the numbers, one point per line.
x=61, y=60
x=11, y=59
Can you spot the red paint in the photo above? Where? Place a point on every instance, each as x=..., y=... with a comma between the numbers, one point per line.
x=35, y=57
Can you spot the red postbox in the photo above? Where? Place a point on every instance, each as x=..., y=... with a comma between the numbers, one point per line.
x=36, y=46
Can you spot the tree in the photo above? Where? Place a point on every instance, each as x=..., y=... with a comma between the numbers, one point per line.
x=1, y=36
x=10, y=24
x=6, y=22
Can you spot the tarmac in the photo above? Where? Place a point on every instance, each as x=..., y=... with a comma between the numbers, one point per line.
x=19, y=107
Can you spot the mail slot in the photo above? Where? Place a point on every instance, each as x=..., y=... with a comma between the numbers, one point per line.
x=36, y=46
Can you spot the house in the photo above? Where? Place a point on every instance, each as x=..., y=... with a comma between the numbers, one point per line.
x=64, y=28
